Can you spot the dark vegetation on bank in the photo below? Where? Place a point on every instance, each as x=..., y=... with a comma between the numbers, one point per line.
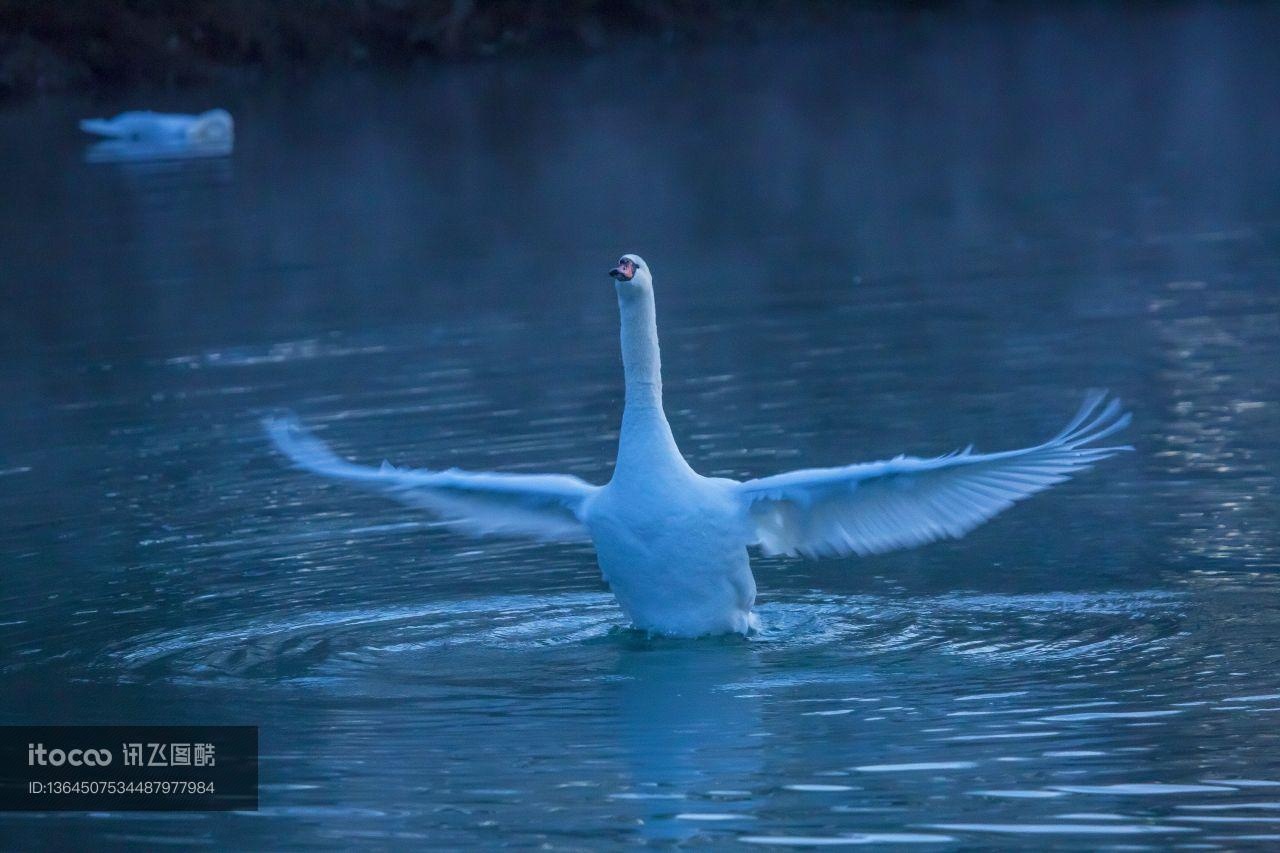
x=62, y=45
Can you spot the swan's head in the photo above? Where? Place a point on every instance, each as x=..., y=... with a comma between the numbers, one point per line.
x=212, y=126
x=631, y=273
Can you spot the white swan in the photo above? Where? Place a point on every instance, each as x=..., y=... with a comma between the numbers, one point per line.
x=213, y=127
x=673, y=544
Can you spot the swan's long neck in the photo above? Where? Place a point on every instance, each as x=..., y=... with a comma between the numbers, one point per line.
x=646, y=441
x=641, y=360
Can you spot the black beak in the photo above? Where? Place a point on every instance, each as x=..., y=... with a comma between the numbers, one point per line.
x=618, y=274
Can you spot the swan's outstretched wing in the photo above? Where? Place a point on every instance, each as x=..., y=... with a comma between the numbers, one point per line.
x=541, y=506
x=904, y=502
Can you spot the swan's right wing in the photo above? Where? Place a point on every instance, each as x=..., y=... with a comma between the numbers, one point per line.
x=539, y=506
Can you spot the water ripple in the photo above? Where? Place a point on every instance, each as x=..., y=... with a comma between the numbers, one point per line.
x=865, y=625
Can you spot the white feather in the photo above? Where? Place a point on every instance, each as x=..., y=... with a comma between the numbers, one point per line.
x=539, y=506
x=904, y=502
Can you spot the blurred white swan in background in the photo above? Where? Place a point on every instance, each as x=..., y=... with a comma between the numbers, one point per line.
x=210, y=126
x=672, y=544
x=144, y=135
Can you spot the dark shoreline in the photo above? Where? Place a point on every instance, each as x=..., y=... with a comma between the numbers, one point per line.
x=101, y=46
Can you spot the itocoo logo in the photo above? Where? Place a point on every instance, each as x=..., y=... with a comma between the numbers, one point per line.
x=37, y=754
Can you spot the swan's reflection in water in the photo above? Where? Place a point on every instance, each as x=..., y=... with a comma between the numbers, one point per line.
x=684, y=735
x=146, y=151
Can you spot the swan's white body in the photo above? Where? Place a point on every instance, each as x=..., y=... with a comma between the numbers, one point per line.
x=213, y=127
x=672, y=544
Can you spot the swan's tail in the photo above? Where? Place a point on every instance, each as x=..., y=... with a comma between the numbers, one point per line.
x=101, y=127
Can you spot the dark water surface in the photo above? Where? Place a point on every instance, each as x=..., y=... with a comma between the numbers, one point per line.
x=935, y=234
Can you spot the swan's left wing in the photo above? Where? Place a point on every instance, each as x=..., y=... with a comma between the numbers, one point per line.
x=904, y=502
x=540, y=506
